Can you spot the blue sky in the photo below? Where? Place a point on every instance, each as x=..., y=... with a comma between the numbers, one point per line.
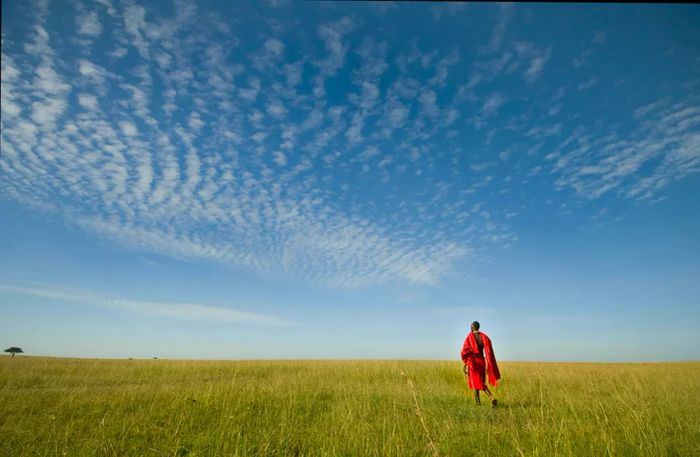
x=350, y=180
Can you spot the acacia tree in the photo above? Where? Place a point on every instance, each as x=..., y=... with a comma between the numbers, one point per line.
x=13, y=350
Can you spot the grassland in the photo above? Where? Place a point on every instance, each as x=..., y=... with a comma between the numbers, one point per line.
x=346, y=408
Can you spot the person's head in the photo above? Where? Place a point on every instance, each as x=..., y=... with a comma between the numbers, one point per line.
x=475, y=326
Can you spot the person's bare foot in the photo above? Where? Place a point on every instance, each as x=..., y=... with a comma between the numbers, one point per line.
x=494, y=402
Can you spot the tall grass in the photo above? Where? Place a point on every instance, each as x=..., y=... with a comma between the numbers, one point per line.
x=343, y=408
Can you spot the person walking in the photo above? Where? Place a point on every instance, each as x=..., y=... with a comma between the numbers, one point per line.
x=480, y=362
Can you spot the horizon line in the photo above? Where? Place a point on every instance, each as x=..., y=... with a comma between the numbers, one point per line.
x=341, y=359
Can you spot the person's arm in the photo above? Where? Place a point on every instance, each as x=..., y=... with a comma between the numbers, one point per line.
x=492, y=371
x=466, y=351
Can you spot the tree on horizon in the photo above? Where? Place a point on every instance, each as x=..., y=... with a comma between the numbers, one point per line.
x=14, y=350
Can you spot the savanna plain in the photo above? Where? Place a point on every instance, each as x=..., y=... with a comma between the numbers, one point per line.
x=76, y=407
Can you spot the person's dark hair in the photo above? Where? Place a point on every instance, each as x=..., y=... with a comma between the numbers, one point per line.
x=475, y=325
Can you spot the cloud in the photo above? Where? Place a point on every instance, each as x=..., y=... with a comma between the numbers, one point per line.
x=276, y=109
x=583, y=59
x=481, y=166
x=210, y=145
x=181, y=311
x=48, y=87
x=274, y=46
x=119, y=53
x=369, y=153
x=592, y=81
x=428, y=101
x=369, y=97
x=499, y=30
x=660, y=150
x=492, y=104
x=374, y=63
x=332, y=35
x=541, y=131
x=89, y=24
x=128, y=128
x=293, y=73
x=519, y=56
x=195, y=121
x=91, y=71
x=107, y=4
x=280, y=158
x=537, y=57
x=398, y=114
x=134, y=24
x=354, y=133
x=88, y=101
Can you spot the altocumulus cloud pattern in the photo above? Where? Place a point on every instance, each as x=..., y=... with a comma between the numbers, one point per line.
x=328, y=151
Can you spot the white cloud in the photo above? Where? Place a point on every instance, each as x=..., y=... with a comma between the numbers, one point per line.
x=314, y=119
x=145, y=173
x=91, y=70
x=258, y=137
x=181, y=311
x=280, y=159
x=481, y=166
x=332, y=34
x=128, y=128
x=537, y=58
x=52, y=92
x=89, y=24
x=592, y=81
x=354, y=133
x=370, y=94
x=119, y=53
x=9, y=76
x=374, y=63
x=88, y=101
x=369, y=153
x=428, y=100
x=492, y=104
x=9, y=72
x=139, y=171
x=276, y=109
x=659, y=151
x=541, y=131
x=536, y=66
x=499, y=30
x=398, y=114
x=274, y=46
x=134, y=23
x=9, y=108
x=195, y=121
x=251, y=93
x=293, y=73
x=48, y=81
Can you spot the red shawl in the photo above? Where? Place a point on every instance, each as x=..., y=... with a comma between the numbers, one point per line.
x=471, y=349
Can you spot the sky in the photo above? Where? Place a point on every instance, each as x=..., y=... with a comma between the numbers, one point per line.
x=275, y=180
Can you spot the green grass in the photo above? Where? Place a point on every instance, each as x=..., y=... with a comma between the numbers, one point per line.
x=349, y=408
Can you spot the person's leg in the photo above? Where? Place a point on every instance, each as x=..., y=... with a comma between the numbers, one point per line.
x=476, y=397
x=493, y=399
